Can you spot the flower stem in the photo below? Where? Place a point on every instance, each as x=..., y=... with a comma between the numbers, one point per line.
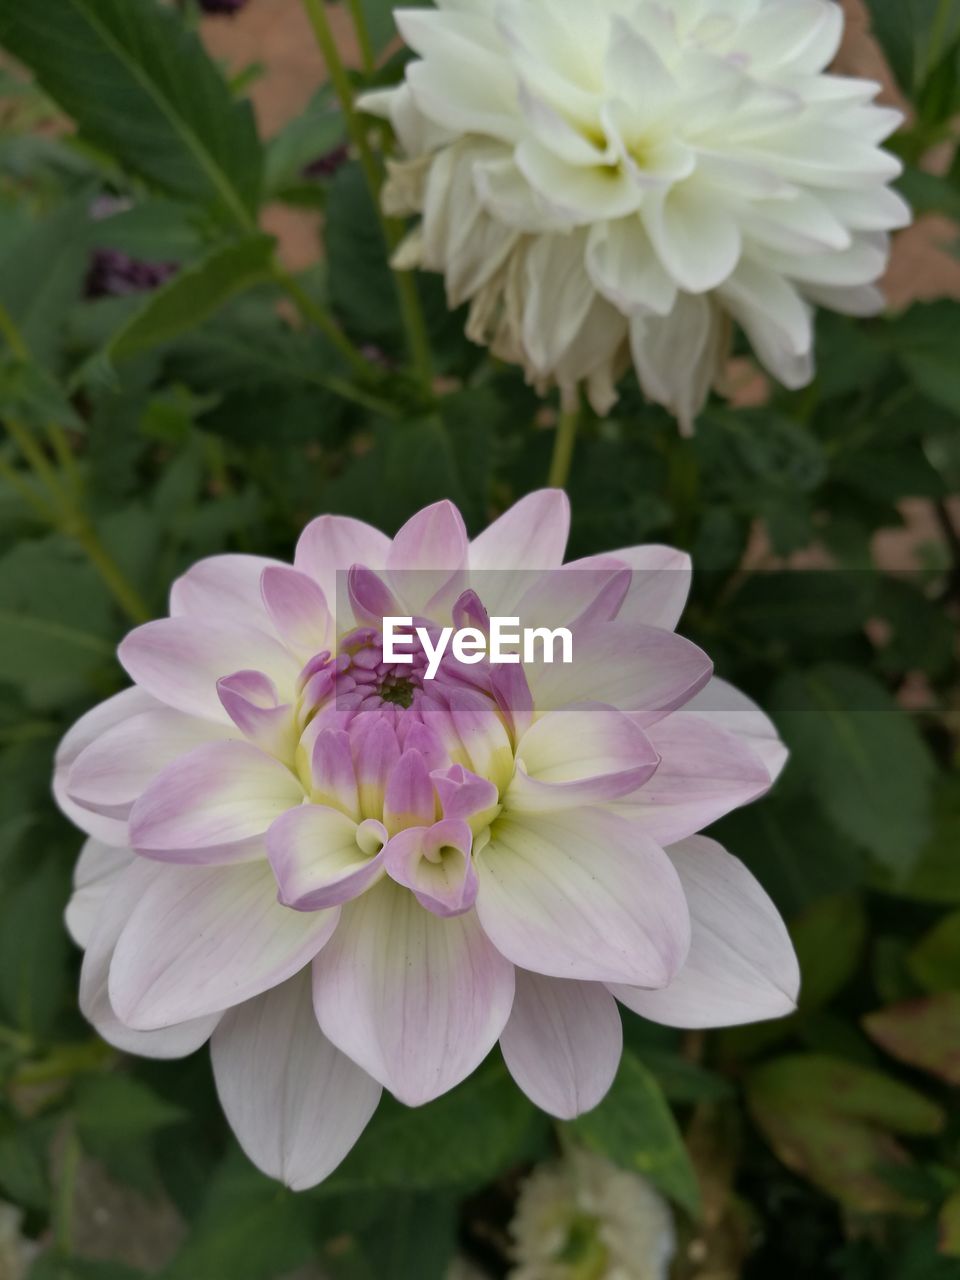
x=563, y=446
x=411, y=312
x=12, y=335
x=362, y=29
x=124, y=592
x=66, y=1190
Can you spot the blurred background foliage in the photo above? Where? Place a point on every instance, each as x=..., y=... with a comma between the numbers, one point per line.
x=169, y=389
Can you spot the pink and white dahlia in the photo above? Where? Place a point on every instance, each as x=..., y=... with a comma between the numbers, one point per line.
x=349, y=877
x=620, y=180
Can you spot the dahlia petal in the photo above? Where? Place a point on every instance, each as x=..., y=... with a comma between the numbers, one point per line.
x=580, y=756
x=775, y=318
x=94, y=878
x=119, y=764
x=802, y=34
x=741, y=966
x=660, y=581
x=562, y=1044
x=532, y=535
x=625, y=269
x=180, y=660
x=409, y=800
x=298, y=609
x=583, y=894
x=175, y=1040
x=705, y=771
x=728, y=708
x=203, y=939
x=111, y=829
x=333, y=774
x=679, y=356
x=330, y=545
x=434, y=864
x=415, y=1000
x=428, y=558
x=698, y=241
x=250, y=700
x=636, y=668
x=636, y=74
x=226, y=588
x=572, y=191
x=296, y=1104
x=211, y=800
x=318, y=860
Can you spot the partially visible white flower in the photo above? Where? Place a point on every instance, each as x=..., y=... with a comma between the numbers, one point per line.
x=621, y=180
x=582, y=1218
x=16, y=1252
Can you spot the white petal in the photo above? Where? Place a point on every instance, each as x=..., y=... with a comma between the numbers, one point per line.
x=94, y=877
x=203, y=939
x=741, y=967
x=583, y=894
x=223, y=589
x=416, y=1000
x=729, y=709
x=563, y=1042
x=296, y=1104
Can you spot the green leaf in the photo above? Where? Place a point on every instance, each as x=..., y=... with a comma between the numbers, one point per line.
x=829, y=939
x=41, y=274
x=935, y=876
x=949, y=1224
x=862, y=757
x=361, y=285
x=192, y=296
x=140, y=85
x=310, y=135
x=935, y=960
x=798, y=856
x=23, y=1161
x=115, y=1108
x=847, y=1089
x=924, y=1033
x=56, y=622
x=914, y=34
x=34, y=976
x=249, y=1228
x=634, y=1127
x=816, y=604
x=922, y=340
x=682, y=1080
x=53, y=1266
x=463, y=1139
x=827, y=1119
x=415, y=1240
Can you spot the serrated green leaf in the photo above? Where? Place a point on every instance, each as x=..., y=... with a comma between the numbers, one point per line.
x=140, y=85
x=34, y=977
x=192, y=296
x=56, y=622
x=861, y=755
x=634, y=1127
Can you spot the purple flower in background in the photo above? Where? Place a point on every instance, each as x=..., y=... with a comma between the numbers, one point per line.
x=228, y=7
x=349, y=874
x=113, y=274
x=327, y=165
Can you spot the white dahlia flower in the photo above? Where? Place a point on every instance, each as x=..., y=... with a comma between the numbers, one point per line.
x=623, y=178
x=348, y=875
x=582, y=1218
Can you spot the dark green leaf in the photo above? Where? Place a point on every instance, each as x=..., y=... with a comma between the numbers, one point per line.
x=139, y=84
x=465, y=1138
x=862, y=756
x=935, y=960
x=829, y=938
x=41, y=274
x=192, y=296
x=34, y=978
x=634, y=1127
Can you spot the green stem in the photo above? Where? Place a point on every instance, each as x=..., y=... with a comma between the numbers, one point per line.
x=66, y=1192
x=12, y=335
x=362, y=29
x=313, y=312
x=19, y=485
x=123, y=591
x=393, y=231
x=563, y=446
